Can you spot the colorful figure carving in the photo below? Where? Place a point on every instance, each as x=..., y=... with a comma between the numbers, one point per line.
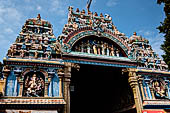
x=36, y=54
x=22, y=53
x=88, y=47
x=34, y=86
x=94, y=49
x=112, y=51
x=98, y=48
x=159, y=88
x=107, y=50
x=117, y=52
x=103, y=48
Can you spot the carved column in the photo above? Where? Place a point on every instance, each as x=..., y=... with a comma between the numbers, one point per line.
x=67, y=77
x=152, y=93
x=21, y=88
x=141, y=86
x=60, y=75
x=6, y=72
x=148, y=88
x=135, y=88
x=46, y=89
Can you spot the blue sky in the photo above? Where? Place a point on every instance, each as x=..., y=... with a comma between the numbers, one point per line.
x=141, y=16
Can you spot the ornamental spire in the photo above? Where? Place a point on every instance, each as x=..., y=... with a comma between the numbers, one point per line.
x=88, y=5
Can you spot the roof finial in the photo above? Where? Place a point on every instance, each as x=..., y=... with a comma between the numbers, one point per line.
x=134, y=33
x=39, y=17
x=88, y=5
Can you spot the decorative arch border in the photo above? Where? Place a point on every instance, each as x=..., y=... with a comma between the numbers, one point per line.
x=74, y=36
x=26, y=71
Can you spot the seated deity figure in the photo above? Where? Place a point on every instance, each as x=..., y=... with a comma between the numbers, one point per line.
x=159, y=88
x=11, y=51
x=34, y=86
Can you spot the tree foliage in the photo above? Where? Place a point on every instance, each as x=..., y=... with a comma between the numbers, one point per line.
x=165, y=29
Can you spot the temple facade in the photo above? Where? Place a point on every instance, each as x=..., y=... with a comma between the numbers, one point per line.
x=91, y=67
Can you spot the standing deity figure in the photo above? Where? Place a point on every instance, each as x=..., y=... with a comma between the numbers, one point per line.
x=107, y=50
x=94, y=49
x=103, y=48
x=98, y=48
x=82, y=47
x=112, y=51
x=117, y=53
x=88, y=47
x=36, y=54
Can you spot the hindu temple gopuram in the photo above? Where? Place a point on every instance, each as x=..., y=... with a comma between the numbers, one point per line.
x=90, y=68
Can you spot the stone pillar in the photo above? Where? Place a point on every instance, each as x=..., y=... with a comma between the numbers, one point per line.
x=140, y=79
x=46, y=89
x=152, y=93
x=135, y=88
x=67, y=77
x=3, y=83
x=6, y=72
x=21, y=88
x=60, y=73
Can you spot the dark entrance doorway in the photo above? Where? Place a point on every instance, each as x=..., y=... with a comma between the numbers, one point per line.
x=99, y=89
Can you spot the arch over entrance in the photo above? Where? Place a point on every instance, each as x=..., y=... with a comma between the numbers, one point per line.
x=81, y=33
x=34, y=83
x=98, y=45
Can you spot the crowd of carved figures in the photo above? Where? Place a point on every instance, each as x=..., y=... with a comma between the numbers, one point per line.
x=156, y=88
x=142, y=51
x=79, y=19
x=97, y=47
x=34, y=43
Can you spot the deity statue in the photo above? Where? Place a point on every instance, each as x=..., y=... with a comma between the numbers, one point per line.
x=40, y=47
x=36, y=54
x=103, y=48
x=34, y=86
x=82, y=47
x=57, y=47
x=112, y=51
x=75, y=26
x=94, y=49
x=11, y=51
x=117, y=52
x=98, y=48
x=22, y=53
x=107, y=50
x=159, y=88
x=88, y=47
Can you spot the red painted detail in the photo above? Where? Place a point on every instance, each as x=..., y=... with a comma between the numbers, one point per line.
x=153, y=111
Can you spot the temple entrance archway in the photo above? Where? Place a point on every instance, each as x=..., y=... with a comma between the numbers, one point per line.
x=100, y=89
